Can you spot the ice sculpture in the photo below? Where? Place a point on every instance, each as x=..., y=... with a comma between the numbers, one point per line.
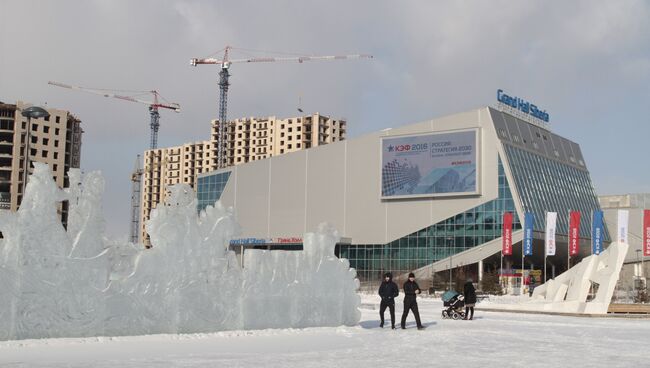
x=74, y=283
x=568, y=292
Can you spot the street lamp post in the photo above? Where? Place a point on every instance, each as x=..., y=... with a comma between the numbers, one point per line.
x=37, y=113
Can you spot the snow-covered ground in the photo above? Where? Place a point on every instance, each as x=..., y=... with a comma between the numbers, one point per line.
x=492, y=339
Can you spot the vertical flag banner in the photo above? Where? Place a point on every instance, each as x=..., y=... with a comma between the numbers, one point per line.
x=574, y=233
x=507, y=234
x=646, y=233
x=529, y=220
x=623, y=216
x=597, y=233
x=551, y=219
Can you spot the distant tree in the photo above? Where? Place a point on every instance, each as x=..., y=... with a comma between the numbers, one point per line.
x=490, y=283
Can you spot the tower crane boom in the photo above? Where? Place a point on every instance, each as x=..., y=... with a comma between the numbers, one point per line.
x=153, y=106
x=224, y=83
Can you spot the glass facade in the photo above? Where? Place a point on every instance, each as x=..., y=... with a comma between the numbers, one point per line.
x=549, y=185
x=448, y=237
x=209, y=189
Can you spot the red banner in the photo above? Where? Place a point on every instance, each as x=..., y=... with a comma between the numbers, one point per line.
x=646, y=233
x=574, y=233
x=507, y=234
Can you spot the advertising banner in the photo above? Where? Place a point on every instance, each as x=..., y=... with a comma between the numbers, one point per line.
x=597, y=233
x=574, y=233
x=646, y=233
x=427, y=165
x=529, y=221
x=551, y=218
x=507, y=234
x=623, y=216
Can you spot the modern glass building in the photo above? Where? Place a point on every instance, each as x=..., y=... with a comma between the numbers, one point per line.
x=422, y=197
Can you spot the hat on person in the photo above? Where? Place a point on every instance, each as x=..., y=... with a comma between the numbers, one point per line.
x=389, y=275
x=411, y=275
x=470, y=280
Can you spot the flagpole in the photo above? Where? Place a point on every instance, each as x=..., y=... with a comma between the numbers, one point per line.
x=568, y=244
x=522, y=257
x=545, y=240
x=592, y=232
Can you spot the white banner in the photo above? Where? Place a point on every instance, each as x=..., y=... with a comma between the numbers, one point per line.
x=623, y=216
x=551, y=218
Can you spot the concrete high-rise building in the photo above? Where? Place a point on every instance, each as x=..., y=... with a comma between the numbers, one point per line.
x=247, y=139
x=252, y=139
x=55, y=141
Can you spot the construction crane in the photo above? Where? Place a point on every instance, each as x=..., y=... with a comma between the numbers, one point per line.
x=136, y=175
x=153, y=105
x=224, y=83
x=136, y=179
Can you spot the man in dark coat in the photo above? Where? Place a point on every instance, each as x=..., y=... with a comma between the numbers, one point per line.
x=411, y=288
x=388, y=291
x=470, y=299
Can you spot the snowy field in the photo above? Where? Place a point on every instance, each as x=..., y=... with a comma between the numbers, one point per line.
x=492, y=339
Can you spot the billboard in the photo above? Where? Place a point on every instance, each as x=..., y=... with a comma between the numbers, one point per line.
x=427, y=165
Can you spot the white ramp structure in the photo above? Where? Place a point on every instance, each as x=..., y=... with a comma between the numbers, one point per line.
x=568, y=292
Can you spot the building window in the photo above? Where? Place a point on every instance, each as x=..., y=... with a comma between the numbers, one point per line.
x=46, y=129
x=289, y=147
x=43, y=153
x=32, y=152
x=54, y=167
x=58, y=119
x=56, y=143
x=34, y=127
x=46, y=141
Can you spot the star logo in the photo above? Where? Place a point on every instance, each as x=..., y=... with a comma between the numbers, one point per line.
x=391, y=148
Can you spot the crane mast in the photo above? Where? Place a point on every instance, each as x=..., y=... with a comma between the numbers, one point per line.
x=224, y=83
x=154, y=126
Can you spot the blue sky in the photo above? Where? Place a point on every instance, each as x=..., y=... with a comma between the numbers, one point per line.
x=586, y=62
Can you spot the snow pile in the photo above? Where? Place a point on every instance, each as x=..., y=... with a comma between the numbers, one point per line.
x=76, y=283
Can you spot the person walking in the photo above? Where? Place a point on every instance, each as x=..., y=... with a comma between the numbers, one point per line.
x=388, y=291
x=411, y=289
x=470, y=299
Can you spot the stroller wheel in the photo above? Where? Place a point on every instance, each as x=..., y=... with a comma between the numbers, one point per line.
x=455, y=315
x=445, y=314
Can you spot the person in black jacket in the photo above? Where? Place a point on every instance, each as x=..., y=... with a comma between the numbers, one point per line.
x=388, y=291
x=470, y=299
x=411, y=288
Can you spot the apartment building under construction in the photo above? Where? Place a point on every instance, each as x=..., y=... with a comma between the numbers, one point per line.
x=55, y=140
x=246, y=139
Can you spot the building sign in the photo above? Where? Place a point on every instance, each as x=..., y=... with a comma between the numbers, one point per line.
x=522, y=105
x=426, y=165
x=265, y=241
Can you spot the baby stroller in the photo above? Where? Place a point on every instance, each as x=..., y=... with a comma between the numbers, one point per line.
x=455, y=302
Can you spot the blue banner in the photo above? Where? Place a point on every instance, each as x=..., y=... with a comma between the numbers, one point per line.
x=529, y=220
x=597, y=233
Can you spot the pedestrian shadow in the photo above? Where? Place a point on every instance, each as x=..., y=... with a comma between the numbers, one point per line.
x=374, y=323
